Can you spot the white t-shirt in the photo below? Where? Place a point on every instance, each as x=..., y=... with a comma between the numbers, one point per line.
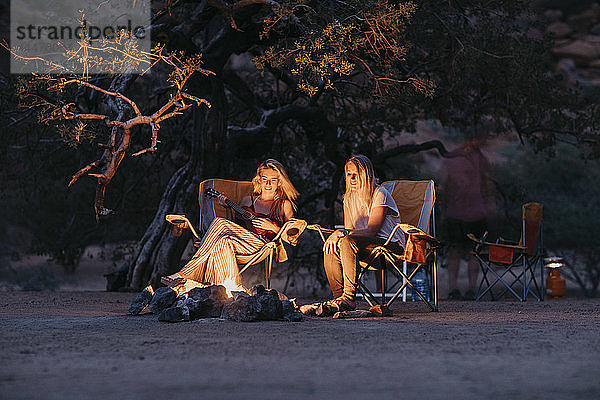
x=383, y=198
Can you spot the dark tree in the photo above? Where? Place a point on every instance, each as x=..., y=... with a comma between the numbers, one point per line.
x=310, y=82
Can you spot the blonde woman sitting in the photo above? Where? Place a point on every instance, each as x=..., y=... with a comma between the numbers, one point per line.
x=216, y=259
x=370, y=214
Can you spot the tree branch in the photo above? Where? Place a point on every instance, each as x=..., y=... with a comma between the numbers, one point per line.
x=411, y=148
x=120, y=138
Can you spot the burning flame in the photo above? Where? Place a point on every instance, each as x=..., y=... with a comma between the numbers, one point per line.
x=231, y=286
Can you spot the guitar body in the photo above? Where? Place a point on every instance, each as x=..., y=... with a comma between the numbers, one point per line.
x=246, y=214
x=263, y=232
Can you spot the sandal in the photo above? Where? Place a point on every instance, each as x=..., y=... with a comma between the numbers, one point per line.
x=309, y=309
x=342, y=303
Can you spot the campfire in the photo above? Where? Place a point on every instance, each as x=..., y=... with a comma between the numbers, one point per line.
x=231, y=286
x=192, y=300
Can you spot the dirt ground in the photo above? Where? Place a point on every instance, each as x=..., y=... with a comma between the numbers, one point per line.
x=74, y=345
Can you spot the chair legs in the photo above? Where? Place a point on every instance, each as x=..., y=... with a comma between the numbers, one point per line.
x=433, y=304
x=508, y=278
x=268, y=267
x=406, y=278
x=383, y=283
x=268, y=258
x=368, y=296
x=537, y=290
x=434, y=280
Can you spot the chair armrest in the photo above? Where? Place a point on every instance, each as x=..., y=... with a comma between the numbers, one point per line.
x=473, y=238
x=291, y=231
x=413, y=231
x=392, y=233
x=181, y=222
x=477, y=246
x=501, y=240
x=505, y=246
x=322, y=231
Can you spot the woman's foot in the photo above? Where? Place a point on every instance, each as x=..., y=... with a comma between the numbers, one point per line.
x=309, y=309
x=342, y=303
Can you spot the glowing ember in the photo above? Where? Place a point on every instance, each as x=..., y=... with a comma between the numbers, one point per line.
x=231, y=286
x=150, y=289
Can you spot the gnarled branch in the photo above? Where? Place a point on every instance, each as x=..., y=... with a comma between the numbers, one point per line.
x=120, y=138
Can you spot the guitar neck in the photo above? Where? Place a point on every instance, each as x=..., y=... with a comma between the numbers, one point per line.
x=239, y=210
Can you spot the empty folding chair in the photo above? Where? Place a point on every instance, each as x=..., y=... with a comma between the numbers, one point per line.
x=513, y=266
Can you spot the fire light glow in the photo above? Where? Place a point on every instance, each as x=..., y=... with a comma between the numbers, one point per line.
x=150, y=289
x=231, y=286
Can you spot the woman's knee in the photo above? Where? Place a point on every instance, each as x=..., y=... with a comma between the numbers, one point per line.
x=219, y=226
x=346, y=245
x=223, y=242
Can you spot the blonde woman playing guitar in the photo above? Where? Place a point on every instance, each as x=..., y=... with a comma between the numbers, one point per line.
x=246, y=216
x=271, y=206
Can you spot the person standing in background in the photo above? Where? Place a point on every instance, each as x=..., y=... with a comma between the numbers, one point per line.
x=466, y=184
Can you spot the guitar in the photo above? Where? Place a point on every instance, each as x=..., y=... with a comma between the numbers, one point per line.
x=245, y=213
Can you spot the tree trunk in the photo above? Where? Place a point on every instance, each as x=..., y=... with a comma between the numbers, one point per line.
x=159, y=252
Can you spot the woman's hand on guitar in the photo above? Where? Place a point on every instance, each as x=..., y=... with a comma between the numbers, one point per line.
x=265, y=224
x=221, y=199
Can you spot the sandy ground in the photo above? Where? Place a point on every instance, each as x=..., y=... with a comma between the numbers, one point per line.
x=74, y=345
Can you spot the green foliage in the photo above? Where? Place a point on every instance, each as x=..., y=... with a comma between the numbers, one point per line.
x=378, y=66
x=41, y=96
x=183, y=67
x=353, y=47
x=111, y=56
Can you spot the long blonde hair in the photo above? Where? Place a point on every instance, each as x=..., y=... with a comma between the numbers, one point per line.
x=357, y=204
x=285, y=190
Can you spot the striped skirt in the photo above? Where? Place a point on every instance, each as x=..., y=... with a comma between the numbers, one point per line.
x=223, y=246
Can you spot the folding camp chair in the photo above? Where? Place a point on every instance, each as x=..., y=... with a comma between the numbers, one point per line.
x=235, y=191
x=511, y=264
x=415, y=201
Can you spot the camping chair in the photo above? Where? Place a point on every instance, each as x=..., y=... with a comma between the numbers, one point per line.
x=415, y=201
x=518, y=262
x=235, y=191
